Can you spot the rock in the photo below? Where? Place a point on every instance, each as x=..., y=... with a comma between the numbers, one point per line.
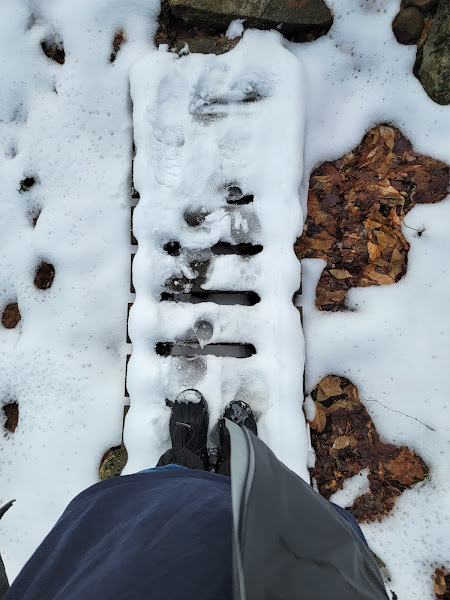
x=408, y=25
x=423, y=5
x=113, y=463
x=433, y=66
x=294, y=16
x=207, y=45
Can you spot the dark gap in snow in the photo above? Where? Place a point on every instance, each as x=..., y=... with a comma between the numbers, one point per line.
x=218, y=297
x=236, y=196
x=226, y=350
x=26, y=184
x=240, y=249
x=173, y=248
x=127, y=395
x=130, y=304
x=133, y=240
x=132, y=290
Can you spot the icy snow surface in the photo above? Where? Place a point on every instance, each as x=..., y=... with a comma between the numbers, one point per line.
x=203, y=124
x=70, y=127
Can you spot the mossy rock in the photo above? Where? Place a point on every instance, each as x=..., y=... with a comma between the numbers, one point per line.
x=113, y=463
x=433, y=67
x=292, y=16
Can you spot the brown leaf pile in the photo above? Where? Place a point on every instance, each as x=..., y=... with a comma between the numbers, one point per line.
x=442, y=583
x=345, y=442
x=356, y=207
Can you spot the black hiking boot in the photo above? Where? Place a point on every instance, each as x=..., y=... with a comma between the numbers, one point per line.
x=189, y=423
x=240, y=413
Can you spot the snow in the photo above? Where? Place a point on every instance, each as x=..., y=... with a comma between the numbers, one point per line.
x=195, y=134
x=353, y=488
x=70, y=126
x=395, y=344
x=235, y=29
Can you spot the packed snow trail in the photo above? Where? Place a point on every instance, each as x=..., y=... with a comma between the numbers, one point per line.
x=218, y=174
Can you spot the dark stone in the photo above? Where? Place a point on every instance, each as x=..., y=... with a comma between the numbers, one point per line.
x=433, y=66
x=45, y=275
x=408, y=25
x=113, y=463
x=423, y=5
x=11, y=316
x=294, y=16
x=207, y=45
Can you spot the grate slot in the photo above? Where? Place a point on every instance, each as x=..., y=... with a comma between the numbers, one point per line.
x=218, y=297
x=225, y=350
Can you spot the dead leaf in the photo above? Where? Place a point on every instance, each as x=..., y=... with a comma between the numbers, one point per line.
x=396, y=264
x=374, y=250
x=406, y=468
x=340, y=273
x=320, y=419
x=330, y=386
x=341, y=442
x=440, y=585
x=378, y=277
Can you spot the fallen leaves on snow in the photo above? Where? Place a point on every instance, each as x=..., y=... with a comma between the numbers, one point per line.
x=356, y=209
x=345, y=442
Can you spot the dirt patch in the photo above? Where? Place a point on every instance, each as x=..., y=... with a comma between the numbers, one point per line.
x=346, y=442
x=356, y=208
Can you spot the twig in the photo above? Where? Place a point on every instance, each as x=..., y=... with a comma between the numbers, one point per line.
x=402, y=413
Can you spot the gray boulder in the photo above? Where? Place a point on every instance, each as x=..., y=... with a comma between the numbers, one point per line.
x=434, y=60
x=293, y=16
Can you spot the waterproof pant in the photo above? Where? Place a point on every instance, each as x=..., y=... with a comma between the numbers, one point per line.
x=187, y=458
